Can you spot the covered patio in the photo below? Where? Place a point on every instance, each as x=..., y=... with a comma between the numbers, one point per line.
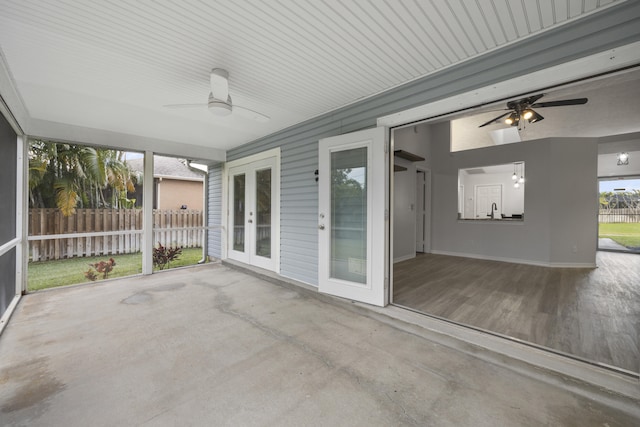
x=213, y=345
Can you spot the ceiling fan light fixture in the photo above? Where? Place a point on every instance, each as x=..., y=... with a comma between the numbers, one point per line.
x=523, y=109
x=219, y=102
x=219, y=81
x=218, y=107
x=513, y=119
x=623, y=159
x=535, y=117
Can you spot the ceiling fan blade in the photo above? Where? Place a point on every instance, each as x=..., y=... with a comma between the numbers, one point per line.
x=523, y=102
x=251, y=114
x=561, y=103
x=219, y=80
x=495, y=120
x=179, y=106
x=534, y=98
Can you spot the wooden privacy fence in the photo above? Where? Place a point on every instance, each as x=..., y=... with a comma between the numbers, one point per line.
x=619, y=215
x=95, y=232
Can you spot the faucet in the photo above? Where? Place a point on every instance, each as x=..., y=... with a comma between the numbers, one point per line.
x=494, y=207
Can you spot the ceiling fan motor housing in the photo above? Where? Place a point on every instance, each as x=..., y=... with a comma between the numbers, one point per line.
x=218, y=106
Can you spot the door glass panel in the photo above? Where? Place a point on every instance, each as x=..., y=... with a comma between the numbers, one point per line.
x=263, y=213
x=348, y=244
x=238, y=212
x=619, y=214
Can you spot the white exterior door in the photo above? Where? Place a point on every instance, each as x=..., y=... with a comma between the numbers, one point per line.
x=253, y=213
x=353, y=229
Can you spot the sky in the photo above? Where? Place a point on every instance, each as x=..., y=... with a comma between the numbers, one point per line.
x=626, y=184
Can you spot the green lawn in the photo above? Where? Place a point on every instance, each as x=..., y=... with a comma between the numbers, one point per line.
x=50, y=274
x=626, y=234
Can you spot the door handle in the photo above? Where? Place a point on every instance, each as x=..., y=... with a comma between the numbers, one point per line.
x=321, y=226
x=250, y=221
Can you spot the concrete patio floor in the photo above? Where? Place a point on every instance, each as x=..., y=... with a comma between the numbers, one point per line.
x=212, y=345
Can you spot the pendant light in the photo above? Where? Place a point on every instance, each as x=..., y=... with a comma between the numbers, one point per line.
x=518, y=180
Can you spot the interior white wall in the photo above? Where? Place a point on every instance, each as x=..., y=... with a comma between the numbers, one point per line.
x=414, y=139
x=560, y=208
x=573, y=195
x=404, y=212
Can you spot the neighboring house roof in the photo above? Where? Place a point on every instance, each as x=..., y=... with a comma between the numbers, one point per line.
x=168, y=167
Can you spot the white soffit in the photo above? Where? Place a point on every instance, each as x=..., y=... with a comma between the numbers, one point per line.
x=111, y=66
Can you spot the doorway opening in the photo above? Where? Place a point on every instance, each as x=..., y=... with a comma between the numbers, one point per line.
x=530, y=278
x=423, y=211
x=619, y=214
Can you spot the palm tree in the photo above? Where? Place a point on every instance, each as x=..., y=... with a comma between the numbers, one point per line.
x=68, y=176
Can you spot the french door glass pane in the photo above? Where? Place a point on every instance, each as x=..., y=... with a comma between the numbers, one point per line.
x=349, y=215
x=619, y=216
x=263, y=213
x=238, y=212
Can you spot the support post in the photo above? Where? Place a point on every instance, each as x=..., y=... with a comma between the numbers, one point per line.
x=147, y=214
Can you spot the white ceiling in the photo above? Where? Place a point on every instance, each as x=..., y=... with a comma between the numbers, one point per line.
x=112, y=65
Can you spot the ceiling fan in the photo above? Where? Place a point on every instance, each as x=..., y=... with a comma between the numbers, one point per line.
x=522, y=110
x=220, y=103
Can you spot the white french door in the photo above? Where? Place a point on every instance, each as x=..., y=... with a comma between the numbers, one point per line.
x=353, y=230
x=253, y=213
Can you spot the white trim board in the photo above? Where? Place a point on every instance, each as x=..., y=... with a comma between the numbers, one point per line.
x=274, y=152
x=602, y=62
x=11, y=103
x=517, y=260
x=404, y=258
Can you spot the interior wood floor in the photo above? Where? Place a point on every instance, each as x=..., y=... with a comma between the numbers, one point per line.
x=590, y=313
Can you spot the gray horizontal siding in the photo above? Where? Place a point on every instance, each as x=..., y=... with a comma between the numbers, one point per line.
x=214, y=214
x=615, y=26
x=298, y=211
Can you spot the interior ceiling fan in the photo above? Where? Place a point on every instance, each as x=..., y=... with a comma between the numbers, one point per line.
x=220, y=103
x=522, y=110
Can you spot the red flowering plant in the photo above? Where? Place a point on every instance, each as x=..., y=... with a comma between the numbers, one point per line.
x=163, y=255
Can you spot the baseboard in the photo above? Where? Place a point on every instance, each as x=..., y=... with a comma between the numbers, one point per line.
x=516, y=260
x=572, y=265
x=404, y=257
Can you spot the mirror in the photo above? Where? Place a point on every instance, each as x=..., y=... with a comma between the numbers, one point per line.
x=492, y=192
